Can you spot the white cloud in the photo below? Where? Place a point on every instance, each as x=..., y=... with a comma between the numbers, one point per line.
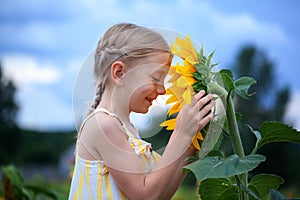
x=24, y=69
x=43, y=100
x=43, y=109
x=243, y=25
x=293, y=111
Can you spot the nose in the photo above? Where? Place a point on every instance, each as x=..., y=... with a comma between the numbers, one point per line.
x=160, y=90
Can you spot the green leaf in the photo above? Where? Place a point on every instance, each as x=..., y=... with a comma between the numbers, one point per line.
x=242, y=86
x=238, y=116
x=277, y=132
x=215, y=167
x=228, y=82
x=15, y=183
x=46, y=191
x=216, y=189
x=201, y=52
x=214, y=64
x=199, y=86
x=218, y=143
x=227, y=79
x=203, y=60
x=228, y=72
x=201, y=68
x=13, y=175
x=209, y=58
x=197, y=76
x=257, y=135
x=261, y=184
x=212, y=136
x=216, y=153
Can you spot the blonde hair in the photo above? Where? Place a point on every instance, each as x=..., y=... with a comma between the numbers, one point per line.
x=128, y=43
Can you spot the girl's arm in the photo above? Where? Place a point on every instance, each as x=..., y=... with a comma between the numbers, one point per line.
x=126, y=167
x=179, y=175
x=138, y=185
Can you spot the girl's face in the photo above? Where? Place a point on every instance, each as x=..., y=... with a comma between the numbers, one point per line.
x=146, y=81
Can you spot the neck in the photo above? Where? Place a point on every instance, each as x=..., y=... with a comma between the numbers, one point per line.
x=116, y=105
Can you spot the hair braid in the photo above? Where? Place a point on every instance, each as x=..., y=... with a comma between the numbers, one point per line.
x=99, y=91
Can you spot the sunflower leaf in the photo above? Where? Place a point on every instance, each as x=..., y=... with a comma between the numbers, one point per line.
x=209, y=58
x=197, y=76
x=218, y=188
x=242, y=86
x=216, y=167
x=228, y=82
x=277, y=132
x=214, y=64
x=261, y=184
x=200, y=68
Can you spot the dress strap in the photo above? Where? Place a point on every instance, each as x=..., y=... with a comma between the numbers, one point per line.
x=101, y=109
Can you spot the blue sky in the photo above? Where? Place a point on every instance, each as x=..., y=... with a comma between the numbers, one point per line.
x=43, y=44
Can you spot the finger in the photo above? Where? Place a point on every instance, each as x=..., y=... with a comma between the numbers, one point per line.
x=204, y=101
x=207, y=109
x=205, y=121
x=197, y=97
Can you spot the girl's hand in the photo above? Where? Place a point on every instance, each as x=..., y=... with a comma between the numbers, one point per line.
x=195, y=116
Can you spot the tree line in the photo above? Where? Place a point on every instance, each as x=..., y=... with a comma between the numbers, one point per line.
x=19, y=146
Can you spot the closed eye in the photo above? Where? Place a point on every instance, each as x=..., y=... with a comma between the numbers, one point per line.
x=156, y=79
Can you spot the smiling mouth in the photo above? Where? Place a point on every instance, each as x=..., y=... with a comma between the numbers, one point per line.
x=149, y=99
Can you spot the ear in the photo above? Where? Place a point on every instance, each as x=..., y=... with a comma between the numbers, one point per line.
x=117, y=72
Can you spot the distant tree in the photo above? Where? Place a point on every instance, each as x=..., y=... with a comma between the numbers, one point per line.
x=268, y=104
x=9, y=107
x=9, y=131
x=270, y=101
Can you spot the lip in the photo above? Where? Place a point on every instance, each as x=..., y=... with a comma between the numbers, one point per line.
x=149, y=100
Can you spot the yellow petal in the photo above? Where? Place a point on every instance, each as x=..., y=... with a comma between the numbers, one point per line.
x=196, y=143
x=171, y=124
x=174, y=109
x=174, y=78
x=174, y=90
x=187, y=69
x=185, y=49
x=190, y=80
x=187, y=95
x=172, y=99
x=172, y=70
x=182, y=82
x=199, y=136
x=191, y=67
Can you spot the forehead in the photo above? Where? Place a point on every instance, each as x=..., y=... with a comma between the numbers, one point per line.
x=159, y=62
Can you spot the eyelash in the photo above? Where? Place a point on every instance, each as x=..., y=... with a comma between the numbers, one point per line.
x=156, y=79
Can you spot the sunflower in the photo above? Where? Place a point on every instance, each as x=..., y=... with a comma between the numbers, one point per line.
x=186, y=79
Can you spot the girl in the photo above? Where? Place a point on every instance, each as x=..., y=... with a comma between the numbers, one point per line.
x=112, y=161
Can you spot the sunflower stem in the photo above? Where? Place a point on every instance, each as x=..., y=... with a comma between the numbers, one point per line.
x=215, y=88
x=234, y=133
x=235, y=137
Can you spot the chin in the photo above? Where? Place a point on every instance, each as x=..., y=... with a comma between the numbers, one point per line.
x=142, y=110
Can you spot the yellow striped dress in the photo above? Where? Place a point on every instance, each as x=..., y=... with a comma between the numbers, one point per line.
x=91, y=180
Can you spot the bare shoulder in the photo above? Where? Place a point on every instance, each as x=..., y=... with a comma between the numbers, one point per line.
x=103, y=125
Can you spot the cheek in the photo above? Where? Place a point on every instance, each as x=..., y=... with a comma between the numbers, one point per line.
x=142, y=91
x=147, y=88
